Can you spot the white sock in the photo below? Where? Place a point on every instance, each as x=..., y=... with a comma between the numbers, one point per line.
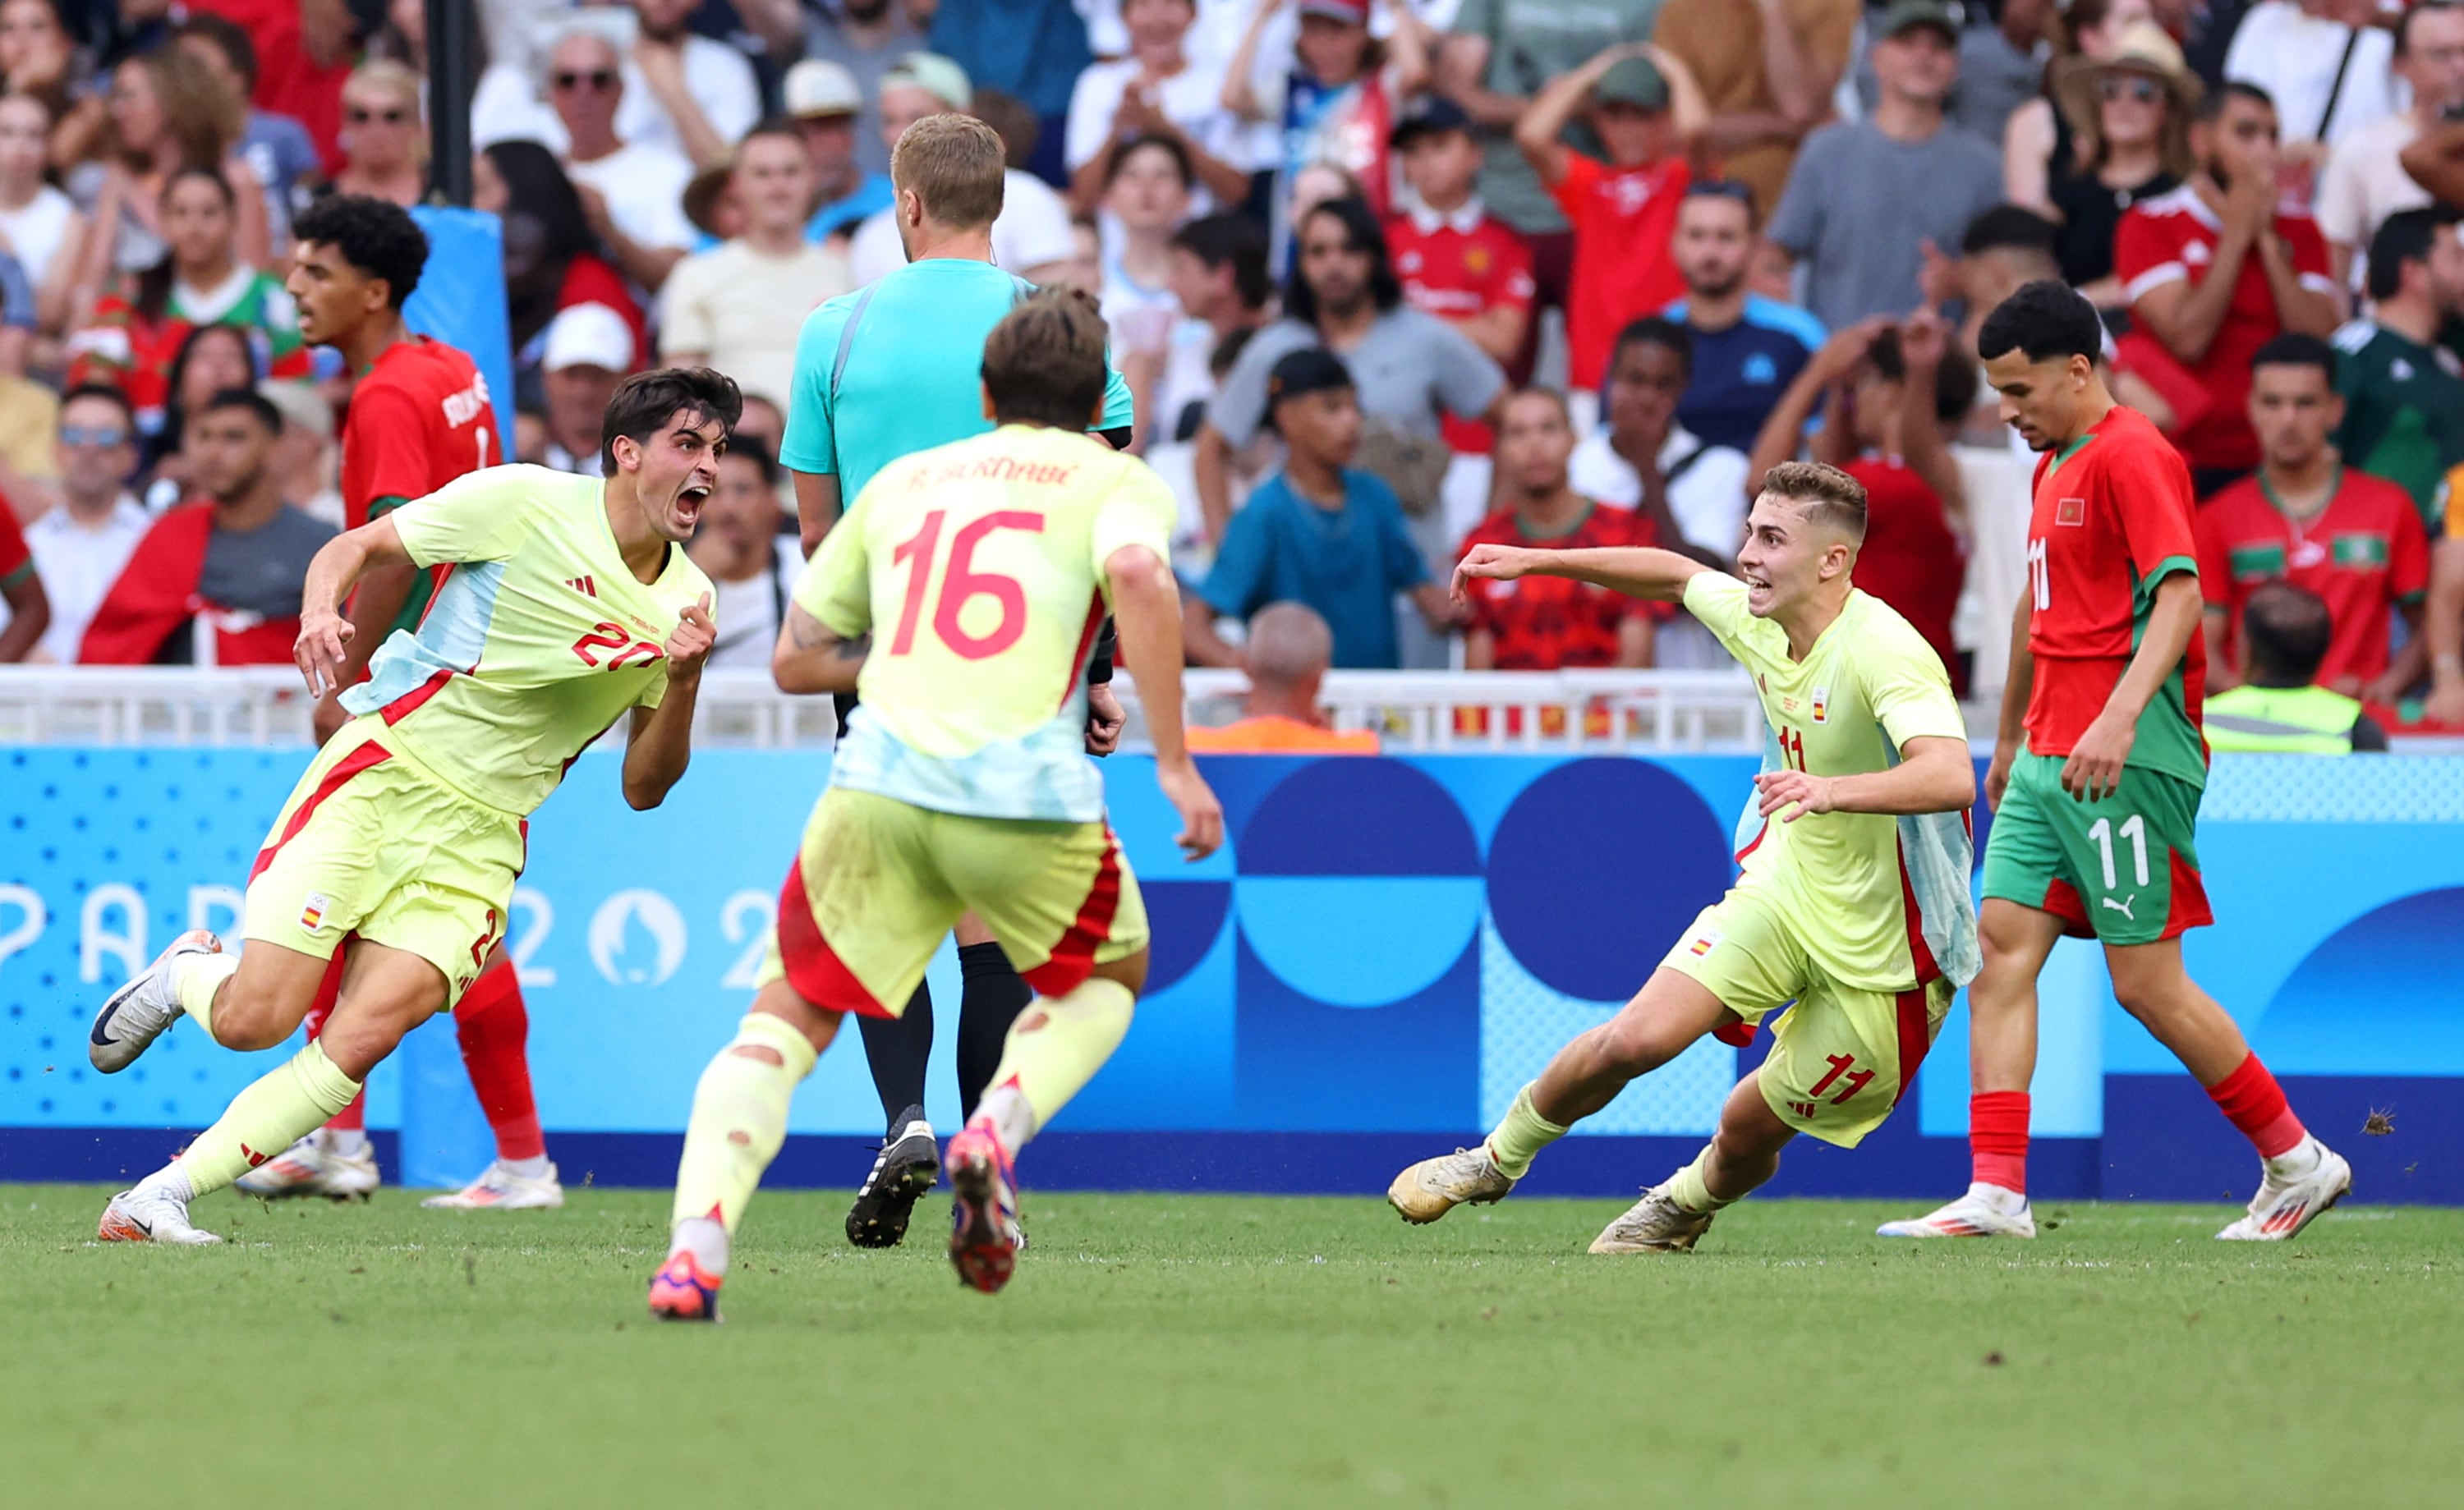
x=535, y=1168
x=706, y=1239
x=2010, y=1203
x=2299, y=1160
x=1012, y=1118
x=169, y=1180
x=349, y=1142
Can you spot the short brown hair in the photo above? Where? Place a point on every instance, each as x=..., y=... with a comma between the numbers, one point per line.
x=1044, y=364
x=646, y=401
x=1827, y=494
x=953, y=163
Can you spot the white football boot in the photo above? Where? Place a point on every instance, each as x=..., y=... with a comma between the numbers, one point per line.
x=1985, y=1211
x=1434, y=1187
x=2298, y=1188
x=144, y=1008
x=499, y=1189
x=1654, y=1224
x=143, y=1216
x=310, y=1167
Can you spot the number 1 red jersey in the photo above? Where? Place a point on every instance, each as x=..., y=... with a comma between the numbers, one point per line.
x=2111, y=518
x=419, y=418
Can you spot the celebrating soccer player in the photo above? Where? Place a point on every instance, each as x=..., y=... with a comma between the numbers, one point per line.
x=1854, y=902
x=2096, y=778
x=960, y=597
x=570, y=604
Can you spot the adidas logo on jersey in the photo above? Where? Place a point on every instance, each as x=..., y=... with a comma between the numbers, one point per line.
x=583, y=585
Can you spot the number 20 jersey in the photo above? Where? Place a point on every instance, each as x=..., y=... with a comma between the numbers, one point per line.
x=539, y=640
x=978, y=568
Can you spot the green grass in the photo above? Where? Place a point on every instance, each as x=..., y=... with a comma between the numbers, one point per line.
x=1166, y=1352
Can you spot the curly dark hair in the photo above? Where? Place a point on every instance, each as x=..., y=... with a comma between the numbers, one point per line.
x=374, y=235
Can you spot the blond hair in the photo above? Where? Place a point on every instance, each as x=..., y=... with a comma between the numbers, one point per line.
x=954, y=165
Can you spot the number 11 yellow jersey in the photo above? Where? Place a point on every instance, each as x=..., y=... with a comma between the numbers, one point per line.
x=978, y=568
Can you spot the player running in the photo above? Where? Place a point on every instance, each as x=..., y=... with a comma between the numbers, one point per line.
x=976, y=574
x=1853, y=903
x=2096, y=778
x=419, y=417
x=570, y=603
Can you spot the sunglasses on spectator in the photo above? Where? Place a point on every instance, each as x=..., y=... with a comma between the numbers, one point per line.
x=101, y=435
x=361, y=116
x=2145, y=91
x=596, y=79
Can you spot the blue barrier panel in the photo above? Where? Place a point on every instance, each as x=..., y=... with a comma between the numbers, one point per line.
x=461, y=301
x=1384, y=951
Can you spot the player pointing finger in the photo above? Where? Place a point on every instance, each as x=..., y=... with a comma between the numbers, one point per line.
x=690, y=642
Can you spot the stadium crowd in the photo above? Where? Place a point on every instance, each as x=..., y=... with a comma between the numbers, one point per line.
x=1387, y=278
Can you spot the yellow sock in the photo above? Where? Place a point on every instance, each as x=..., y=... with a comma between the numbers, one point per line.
x=196, y=979
x=739, y=1119
x=1687, y=1186
x=1522, y=1135
x=1054, y=1049
x=267, y=1118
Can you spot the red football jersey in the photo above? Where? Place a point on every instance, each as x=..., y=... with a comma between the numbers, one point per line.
x=15, y=556
x=1457, y=267
x=1910, y=558
x=1623, y=219
x=2363, y=553
x=2172, y=237
x=1546, y=624
x=418, y=419
x=2112, y=518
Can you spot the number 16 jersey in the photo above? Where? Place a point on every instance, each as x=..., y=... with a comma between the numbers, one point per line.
x=978, y=568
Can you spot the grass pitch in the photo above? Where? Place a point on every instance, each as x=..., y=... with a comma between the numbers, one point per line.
x=1183, y=1350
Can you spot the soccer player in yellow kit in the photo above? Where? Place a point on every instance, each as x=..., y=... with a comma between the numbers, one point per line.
x=1854, y=902
x=960, y=598
x=570, y=604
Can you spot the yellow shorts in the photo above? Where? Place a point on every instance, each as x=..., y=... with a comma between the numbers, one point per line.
x=878, y=882
x=369, y=844
x=1842, y=1055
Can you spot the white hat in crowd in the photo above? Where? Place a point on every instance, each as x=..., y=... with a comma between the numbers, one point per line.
x=588, y=335
x=819, y=87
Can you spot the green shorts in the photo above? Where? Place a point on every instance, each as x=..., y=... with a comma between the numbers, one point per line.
x=2124, y=869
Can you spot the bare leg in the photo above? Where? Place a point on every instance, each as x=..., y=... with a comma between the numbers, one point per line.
x=1663, y=1021
x=2002, y=999
x=1745, y=1152
x=2152, y=985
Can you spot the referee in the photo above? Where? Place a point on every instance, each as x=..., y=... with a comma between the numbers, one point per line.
x=891, y=369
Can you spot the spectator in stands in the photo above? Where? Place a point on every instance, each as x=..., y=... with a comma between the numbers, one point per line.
x=303, y=51
x=2325, y=64
x=1031, y=238
x=276, y=148
x=1645, y=110
x=2277, y=707
x=1767, y=70
x=2127, y=114
x=1220, y=290
x=865, y=39
x=631, y=193
x=1319, y=532
x=2214, y=269
x=38, y=59
x=1867, y=197
x=384, y=135
x=739, y=306
x=2002, y=64
x=2005, y=248
x=39, y=224
x=690, y=94
x=552, y=258
x=1287, y=653
x=827, y=104
x=2040, y=139
x=140, y=325
x=1339, y=97
x=588, y=351
x=750, y=566
x=169, y=115
x=1520, y=626
x=1891, y=397
x=24, y=609
x=211, y=358
x=1153, y=92
x=2355, y=541
x=2365, y=180
x=762, y=421
x=305, y=457
x=1031, y=50
x=1745, y=348
x=530, y=437
x=1689, y=492
x=225, y=571
x=80, y=545
x=2403, y=399
x=1148, y=197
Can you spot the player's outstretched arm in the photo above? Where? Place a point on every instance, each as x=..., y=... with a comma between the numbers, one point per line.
x=659, y=744
x=812, y=657
x=1146, y=606
x=1638, y=571
x=324, y=634
x=1935, y=775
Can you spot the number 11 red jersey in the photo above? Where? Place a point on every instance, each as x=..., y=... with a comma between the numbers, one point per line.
x=419, y=418
x=2112, y=518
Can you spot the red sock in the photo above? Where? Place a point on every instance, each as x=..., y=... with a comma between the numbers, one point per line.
x=1997, y=1139
x=494, y=1028
x=353, y=1118
x=2252, y=1101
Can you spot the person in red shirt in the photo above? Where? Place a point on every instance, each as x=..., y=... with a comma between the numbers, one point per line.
x=2214, y=271
x=21, y=591
x=2354, y=540
x=304, y=58
x=1647, y=110
x=2097, y=769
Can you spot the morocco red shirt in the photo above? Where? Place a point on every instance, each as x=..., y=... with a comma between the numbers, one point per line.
x=1547, y=624
x=1457, y=267
x=2172, y=237
x=418, y=419
x=2363, y=553
x=2110, y=520
x=1623, y=219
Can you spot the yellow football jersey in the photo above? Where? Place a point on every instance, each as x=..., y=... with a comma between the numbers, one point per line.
x=539, y=640
x=978, y=568
x=1881, y=902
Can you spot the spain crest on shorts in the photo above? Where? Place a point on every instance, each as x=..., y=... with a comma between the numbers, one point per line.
x=311, y=912
x=1703, y=943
